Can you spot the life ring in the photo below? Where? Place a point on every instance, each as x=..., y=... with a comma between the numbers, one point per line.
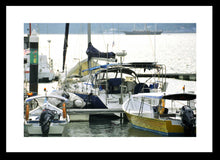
x=27, y=112
x=64, y=110
x=162, y=108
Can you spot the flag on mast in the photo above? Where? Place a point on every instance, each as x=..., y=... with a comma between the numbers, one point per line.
x=113, y=43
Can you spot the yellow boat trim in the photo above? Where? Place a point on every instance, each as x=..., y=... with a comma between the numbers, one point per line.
x=155, y=125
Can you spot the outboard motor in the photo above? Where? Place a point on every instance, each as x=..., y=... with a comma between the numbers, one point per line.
x=188, y=120
x=45, y=119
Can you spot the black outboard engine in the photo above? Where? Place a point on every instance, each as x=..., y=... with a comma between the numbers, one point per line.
x=188, y=120
x=45, y=119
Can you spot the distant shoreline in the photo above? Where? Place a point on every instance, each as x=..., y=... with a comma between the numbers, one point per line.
x=112, y=33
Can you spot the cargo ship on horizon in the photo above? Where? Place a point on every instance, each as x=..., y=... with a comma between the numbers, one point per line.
x=143, y=32
x=136, y=32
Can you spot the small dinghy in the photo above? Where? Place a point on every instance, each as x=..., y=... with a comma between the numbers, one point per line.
x=45, y=119
x=74, y=101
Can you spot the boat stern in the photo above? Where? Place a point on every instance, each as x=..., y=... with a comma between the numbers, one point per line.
x=34, y=128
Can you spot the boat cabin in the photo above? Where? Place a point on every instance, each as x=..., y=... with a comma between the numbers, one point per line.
x=117, y=78
x=154, y=105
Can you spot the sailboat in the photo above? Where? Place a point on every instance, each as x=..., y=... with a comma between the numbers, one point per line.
x=109, y=85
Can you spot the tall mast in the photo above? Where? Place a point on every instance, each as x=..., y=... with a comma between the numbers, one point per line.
x=89, y=32
x=65, y=44
x=89, y=40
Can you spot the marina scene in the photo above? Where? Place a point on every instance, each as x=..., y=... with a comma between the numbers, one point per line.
x=109, y=80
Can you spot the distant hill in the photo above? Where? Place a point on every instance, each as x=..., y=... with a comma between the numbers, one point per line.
x=109, y=28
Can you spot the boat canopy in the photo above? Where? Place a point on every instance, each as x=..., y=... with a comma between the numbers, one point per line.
x=118, y=70
x=93, y=52
x=180, y=96
x=145, y=65
x=48, y=96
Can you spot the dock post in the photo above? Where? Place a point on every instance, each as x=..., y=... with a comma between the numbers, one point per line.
x=34, y=39
x=121, y=118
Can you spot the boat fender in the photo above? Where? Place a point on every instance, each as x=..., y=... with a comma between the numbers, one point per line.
x=161, y=111
x=162, y=108
x=27, y=112
x=64, y=110
x=78, y=103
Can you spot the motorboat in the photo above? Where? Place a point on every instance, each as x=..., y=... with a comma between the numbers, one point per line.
x=45, y=73
x=148, y=111
x=45, y=119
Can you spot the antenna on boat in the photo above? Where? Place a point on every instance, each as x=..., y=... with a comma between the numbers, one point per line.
x=155, y=42
x=121, y=54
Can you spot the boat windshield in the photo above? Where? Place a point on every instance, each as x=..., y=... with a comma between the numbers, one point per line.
x=115, y=74
x=143, y=102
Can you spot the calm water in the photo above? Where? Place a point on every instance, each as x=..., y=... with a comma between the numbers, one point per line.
x=104, y=126
x=176, y=51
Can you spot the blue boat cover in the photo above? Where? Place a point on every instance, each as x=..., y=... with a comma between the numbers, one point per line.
x=97, y=67
x=93, y=52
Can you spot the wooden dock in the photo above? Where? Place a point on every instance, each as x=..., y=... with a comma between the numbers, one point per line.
x=81, y=115
x=94, y=111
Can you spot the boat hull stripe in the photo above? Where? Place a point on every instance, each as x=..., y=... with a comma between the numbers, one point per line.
x=158, y=132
